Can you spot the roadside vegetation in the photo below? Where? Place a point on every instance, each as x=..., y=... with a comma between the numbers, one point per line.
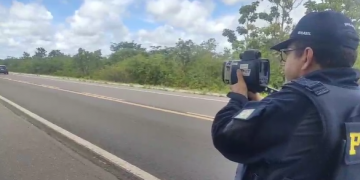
x=186, y=65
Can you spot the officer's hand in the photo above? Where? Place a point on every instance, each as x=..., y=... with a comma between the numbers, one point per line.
x=240, y=87
x=254, y=96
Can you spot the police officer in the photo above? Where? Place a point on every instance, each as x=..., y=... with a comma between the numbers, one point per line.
x=309, y=130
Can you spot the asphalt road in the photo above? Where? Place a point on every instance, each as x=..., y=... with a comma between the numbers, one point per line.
x=165, y=134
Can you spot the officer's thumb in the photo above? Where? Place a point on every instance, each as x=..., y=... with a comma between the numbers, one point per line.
x=239, y=74
x=255, y=96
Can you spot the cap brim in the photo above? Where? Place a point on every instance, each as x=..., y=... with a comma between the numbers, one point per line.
x=282, y=45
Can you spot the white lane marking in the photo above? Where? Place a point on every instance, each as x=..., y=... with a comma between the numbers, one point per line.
x=203, y=115
x=47, y=86
x=101, y=152
x=102, y=97
x=114, y=87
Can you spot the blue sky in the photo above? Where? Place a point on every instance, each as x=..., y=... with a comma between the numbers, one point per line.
x=43, y=23
x=61, y=9
x=58, y=8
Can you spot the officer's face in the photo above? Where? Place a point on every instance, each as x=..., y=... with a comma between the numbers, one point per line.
x=298, y=62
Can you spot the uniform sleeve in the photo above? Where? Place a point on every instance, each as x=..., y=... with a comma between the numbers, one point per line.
x=243, y=130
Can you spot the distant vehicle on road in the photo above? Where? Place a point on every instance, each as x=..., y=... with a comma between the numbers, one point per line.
x=3, y=69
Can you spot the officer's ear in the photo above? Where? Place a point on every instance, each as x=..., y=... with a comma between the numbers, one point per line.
x=308, y=59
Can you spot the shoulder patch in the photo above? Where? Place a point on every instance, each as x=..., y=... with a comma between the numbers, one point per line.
x=244, y=114
x=315, y=87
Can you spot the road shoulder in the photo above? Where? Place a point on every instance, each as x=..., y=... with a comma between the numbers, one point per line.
x=28, y=153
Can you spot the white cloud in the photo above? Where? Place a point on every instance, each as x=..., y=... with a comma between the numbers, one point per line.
x=192, y=20
x=231, y=2
x=24, y=26
x=97, y=23
x=93, y=25
x=187, y=20
x=192, y=16
x=180, y=13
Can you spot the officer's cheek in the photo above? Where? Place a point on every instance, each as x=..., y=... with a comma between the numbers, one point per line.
x=291, y=70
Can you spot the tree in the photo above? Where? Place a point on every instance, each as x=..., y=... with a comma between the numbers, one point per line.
x=40, y=53
x=124, y=50
x=86, y=62
x=126, y=45
x=55, y=53
x=350, y=8
x=26, y=55
x=184, y=51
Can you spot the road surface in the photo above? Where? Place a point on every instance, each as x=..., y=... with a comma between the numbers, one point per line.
x=27, y=153
x=165, y=134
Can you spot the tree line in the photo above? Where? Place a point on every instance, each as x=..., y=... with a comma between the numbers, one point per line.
x=186, y=65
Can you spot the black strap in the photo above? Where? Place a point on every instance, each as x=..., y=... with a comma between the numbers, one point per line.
x=311, y=89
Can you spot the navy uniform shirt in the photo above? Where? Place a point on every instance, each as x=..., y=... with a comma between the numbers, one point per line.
x=262, y=127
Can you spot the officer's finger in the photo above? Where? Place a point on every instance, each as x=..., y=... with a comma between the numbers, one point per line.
x=239, y=75
x=255, y=96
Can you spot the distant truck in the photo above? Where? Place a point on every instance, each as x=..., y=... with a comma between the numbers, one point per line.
x=3, y=69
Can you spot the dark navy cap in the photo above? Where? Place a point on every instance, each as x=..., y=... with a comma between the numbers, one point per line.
x=329, y=28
